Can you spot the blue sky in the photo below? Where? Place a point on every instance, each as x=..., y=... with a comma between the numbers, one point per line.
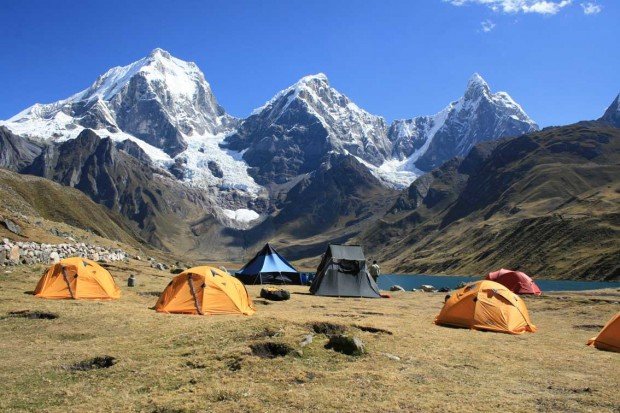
x=559, y=59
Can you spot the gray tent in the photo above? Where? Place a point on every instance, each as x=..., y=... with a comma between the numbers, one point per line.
x=342, y=273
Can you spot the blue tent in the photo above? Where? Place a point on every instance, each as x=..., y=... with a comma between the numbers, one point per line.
x=268, y=267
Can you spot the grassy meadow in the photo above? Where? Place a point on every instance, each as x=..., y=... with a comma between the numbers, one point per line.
x=175, y=363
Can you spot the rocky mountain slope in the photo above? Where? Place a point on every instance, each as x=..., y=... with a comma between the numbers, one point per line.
x=478, y=116
x=17, y=152
x=612, y=114
x=120, y=176
x=295, y=131
x=36, y=203
x=546, y=202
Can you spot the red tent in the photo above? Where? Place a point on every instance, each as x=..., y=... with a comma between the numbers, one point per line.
x=516, y=281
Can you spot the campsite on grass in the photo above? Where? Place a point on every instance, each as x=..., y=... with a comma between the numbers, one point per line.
x=231, y=362
x=317, y=206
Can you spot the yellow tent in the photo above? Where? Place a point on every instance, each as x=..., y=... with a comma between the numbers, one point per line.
x=205, y=290
x=609, y=337
x=486, y=305
x=77, y=278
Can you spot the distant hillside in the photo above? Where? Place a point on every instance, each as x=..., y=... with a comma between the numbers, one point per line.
x=28, y=197
x=547, y=203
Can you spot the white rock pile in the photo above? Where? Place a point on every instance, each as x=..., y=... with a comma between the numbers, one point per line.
x=18, y=252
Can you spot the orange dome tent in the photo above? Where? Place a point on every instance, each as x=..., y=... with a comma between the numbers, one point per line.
x=486, y=305
x=609, y=337
x=205, y=290
x=77, y=278
x=516, y=281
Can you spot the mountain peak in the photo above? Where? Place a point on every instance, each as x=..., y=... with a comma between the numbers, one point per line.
x=319, y=77
x=158, y=52
x=477, y=84
x=612, y=114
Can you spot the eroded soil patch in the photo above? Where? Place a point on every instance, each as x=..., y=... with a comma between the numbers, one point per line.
x=33, y=315
x=101, y=362
x=270, y=349
x=329, y=329
x=374, y=330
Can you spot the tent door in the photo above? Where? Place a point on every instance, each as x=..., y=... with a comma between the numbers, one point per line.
x=193, y=289
x=70, y=280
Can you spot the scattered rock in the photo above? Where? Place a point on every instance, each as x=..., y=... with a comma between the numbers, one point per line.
x=306, y=340
x=102, y=362
x=12, y=226
x=427, y=288
x=159, y=266
x=396, y=288
x=443, y=290
x=351, y=346
x=270, y=349
x=54, y=257
x=275, y=294
x=391, y=356
x=329, y=329
x=176, y=270
x=14, y=253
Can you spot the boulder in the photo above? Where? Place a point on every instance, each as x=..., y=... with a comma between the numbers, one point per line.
x=14, y=254
x=427, y=288
x=351, y=346
x=12, y=226
x=54, y=257
x=275, y=294
x=306, y=340
x=396, y=288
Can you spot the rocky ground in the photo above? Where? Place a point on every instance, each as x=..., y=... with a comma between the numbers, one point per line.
x=62, y=355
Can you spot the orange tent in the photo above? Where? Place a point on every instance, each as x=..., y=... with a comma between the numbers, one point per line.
x=486, y=305
x=609, y=337
x=77, y=278
x=205, y=290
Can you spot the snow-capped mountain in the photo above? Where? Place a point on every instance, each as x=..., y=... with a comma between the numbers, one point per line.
x=293, y=132
x=161, y=111
x=162, y=103
x=159, y=99
x=425, y=142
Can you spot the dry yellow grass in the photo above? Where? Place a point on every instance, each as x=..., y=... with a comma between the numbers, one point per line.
x=174, y=363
